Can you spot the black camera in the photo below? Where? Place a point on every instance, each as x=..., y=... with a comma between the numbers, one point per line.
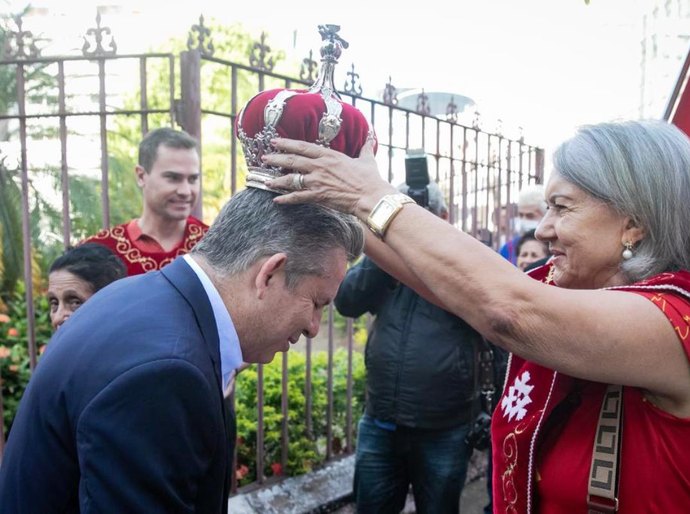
x=479, y=436
x=417, y=177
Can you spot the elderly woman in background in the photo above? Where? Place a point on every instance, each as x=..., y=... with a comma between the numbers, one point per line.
x=76, y=275
x=530, y=251
x=615, y=327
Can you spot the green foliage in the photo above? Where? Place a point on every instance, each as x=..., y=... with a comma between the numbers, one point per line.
x=44, y=223
x=10, y=230
x=307, y=448
x=41, y=95
x=14, y=354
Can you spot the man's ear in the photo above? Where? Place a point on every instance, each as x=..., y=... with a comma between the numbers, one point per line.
x=140, y=172
x=266, y=274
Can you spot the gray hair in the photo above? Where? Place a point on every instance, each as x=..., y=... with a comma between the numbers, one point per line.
x=641, y=169
x=437, y=204
x=164, y=136
x=532, y=195
x=251, y=226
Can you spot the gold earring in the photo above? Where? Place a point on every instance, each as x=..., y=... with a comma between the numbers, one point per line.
x=627, y=253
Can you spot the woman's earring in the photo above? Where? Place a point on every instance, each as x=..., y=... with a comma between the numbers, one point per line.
x=627, y=253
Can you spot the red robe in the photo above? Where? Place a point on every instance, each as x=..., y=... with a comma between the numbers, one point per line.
x=141, y=255
x=541, y=459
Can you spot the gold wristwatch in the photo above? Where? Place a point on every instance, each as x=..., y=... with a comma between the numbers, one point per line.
x=384, y=211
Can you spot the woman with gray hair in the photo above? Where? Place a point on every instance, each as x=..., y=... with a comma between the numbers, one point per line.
x=595, y=413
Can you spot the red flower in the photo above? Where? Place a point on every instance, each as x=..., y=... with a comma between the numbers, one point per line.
x=241, y=472
x=4, y=352
x=4, y=318
x=13, y=332
x=277, y=468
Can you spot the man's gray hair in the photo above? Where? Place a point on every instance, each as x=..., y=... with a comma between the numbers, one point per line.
x=532, y=195
x=437, y=204
x=641, y=169
x=251, y=226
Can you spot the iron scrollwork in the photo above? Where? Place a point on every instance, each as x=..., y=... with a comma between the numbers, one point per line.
x=353, y=86
x=308, y=68
x=476, y=121
x=452, y=110
x=20, y=44
x=94, y=38
x=423, y=104
x=200, y=38
x=259, y=57
x=390, y=93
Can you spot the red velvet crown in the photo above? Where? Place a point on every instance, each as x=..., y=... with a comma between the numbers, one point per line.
x=317, y=115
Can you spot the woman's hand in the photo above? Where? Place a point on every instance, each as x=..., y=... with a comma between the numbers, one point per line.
x=329, y=177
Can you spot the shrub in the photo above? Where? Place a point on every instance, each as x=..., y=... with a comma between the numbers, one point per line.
x=14, y=353
x=306, y=449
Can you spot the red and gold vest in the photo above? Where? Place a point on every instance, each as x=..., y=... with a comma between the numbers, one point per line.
x=139, y=261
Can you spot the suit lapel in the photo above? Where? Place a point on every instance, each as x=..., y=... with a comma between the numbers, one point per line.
x=184, y=279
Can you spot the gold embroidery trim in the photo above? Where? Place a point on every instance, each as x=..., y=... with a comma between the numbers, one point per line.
x=124, y=247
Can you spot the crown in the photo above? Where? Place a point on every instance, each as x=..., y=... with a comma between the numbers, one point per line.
x=317, y=115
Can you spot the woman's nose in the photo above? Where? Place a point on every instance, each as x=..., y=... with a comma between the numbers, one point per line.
x=544, y=230
x=61, y=315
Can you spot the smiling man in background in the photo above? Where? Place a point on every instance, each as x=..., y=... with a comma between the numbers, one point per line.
x=168, y=174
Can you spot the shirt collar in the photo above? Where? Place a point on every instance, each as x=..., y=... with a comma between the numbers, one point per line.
x=134, y=230
x=230, y=351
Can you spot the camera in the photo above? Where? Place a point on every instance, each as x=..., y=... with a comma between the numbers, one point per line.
x=479, y=436
x=417, y=176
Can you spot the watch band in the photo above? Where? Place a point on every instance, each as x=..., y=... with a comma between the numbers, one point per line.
x=384, y=211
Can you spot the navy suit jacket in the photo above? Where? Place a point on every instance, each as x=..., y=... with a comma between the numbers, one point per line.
x=124, y=412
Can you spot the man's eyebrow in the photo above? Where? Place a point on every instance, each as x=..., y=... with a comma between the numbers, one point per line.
x=171, y=173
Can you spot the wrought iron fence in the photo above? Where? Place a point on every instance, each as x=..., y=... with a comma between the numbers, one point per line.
x=72, y=110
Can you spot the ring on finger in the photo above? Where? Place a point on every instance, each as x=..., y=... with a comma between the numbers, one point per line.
x=298, y=182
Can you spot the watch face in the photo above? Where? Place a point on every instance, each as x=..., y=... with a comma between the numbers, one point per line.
x=380, y=215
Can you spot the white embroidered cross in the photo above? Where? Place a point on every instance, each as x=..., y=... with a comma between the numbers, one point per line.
x=517, y=398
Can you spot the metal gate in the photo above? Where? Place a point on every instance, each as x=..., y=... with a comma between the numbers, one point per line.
x=68, y=121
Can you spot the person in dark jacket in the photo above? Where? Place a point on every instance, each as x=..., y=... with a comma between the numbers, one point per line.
x=420, y=390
